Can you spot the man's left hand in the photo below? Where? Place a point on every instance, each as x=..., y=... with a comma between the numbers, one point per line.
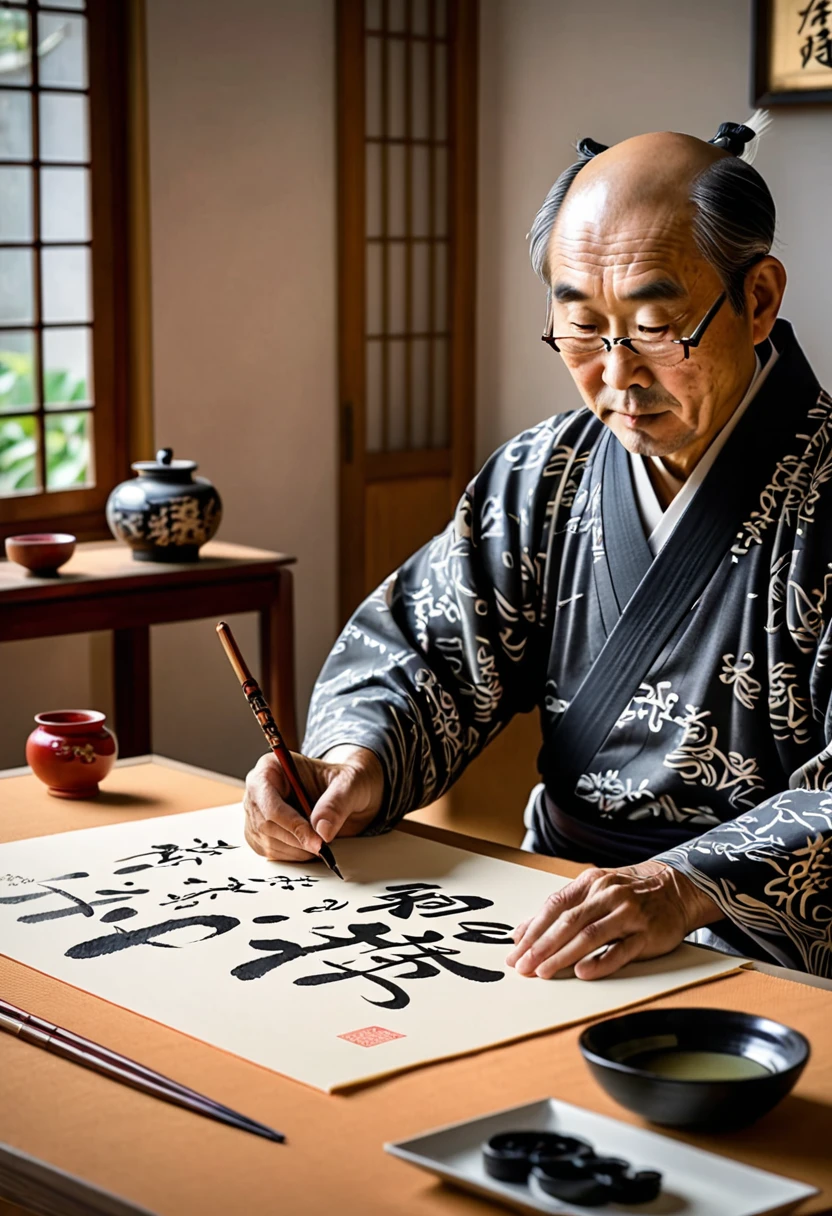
x=636, y=911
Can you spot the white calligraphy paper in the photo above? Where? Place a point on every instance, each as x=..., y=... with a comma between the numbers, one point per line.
x=329, y=982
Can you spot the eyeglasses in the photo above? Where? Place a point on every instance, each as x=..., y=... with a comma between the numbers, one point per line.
x=665, y=351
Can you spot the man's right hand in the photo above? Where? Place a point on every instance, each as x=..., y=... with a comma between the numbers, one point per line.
x=346, y=788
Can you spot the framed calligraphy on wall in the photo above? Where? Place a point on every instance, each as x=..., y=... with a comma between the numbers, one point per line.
x=792, y=51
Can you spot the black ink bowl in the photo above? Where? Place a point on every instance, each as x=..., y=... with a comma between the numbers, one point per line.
x=627, y=1055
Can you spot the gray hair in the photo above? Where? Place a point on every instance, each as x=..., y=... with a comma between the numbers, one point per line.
x=734, y=217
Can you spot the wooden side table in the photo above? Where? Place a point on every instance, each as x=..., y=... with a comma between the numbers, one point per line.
x=103, y=588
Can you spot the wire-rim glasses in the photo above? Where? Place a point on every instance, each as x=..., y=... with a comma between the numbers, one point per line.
x=665, y=351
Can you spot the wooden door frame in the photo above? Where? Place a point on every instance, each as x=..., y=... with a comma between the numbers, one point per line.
x=456, y=461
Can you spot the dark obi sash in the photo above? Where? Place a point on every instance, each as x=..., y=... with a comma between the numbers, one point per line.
x=563, y=835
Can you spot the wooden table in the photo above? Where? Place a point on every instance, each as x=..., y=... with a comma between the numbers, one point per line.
x=102, y=587
x=166, y=1161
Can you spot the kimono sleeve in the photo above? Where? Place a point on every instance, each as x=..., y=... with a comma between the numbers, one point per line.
x=440, y=657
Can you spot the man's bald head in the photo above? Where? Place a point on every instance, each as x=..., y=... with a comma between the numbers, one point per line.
x=659, y=168
x=721, y=199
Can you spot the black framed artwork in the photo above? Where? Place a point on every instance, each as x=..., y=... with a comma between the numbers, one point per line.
x=792, y=52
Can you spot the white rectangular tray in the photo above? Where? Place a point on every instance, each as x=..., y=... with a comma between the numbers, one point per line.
x=694, y=1183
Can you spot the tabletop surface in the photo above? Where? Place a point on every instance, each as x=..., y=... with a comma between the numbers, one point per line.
x=98, y=565
x=170, y=1161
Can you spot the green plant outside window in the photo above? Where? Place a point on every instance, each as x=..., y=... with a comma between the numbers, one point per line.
x=67, y=434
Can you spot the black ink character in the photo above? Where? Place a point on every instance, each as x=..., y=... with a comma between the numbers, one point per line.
x=329, y=905
x=818, y=42
x=76, y=906
x=427, y=898
x=22, y=899
x=286, y=951
x=124, y=939
x=173, y=855
x=422, y=953
x=287, y=882
x=191, y=898
x=485, y=933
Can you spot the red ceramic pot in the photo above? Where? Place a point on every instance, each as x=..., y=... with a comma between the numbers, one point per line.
x=71, y=750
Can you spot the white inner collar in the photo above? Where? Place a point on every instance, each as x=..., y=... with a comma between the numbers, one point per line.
x=658, y=523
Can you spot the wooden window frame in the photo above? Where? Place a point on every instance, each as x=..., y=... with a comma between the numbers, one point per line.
x=112, y=32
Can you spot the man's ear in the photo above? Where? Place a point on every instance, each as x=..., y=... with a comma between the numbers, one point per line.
x=764, y=288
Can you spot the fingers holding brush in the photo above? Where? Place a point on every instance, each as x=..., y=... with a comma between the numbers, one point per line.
x=274, y=828
x=345, y=789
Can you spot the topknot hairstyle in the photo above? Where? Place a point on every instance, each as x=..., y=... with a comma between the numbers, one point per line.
x=734, y=218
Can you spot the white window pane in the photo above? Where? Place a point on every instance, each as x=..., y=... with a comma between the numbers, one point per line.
x=18, y=455
x=15, y=204
x=441, y=94
x=64, y=205
x=68, y=451
x=67, y=366
x=439, y=430
x=420, y=16
x=17, y=362
x=374, y=396
x=395, y=190
x=421, y=288
x=76, y=4
x=64, y=126
x=373, y=289
x=16, y=296
x=395, y=402
x=62, y=50
x=420, y=389
x=372, y=14
x=419, y=89
x=372, y=203
x=440, y=286
x=395, y=14
x=397, y=288
x=395, y=88
x=66, y=285
x=15, y=40
x=372, y=86
x=420, y=190
x=440, y=180
x=15, y=124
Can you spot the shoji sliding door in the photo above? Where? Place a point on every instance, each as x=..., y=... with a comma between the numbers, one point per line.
x=407, y=120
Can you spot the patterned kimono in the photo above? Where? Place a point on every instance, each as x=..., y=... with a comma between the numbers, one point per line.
x=684, y=698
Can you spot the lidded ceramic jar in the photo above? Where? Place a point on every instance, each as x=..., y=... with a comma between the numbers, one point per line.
x=71, y=750
x=165, y=513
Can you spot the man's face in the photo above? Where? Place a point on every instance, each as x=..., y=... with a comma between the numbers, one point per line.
x=622, y=270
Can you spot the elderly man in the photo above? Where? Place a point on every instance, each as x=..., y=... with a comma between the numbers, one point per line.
x=651, y=571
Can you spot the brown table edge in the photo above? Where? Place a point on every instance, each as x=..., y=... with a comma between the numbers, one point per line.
x=204, y=573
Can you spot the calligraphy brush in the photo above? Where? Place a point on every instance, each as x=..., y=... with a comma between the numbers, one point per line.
x=88, y=1059
x=261, y=711
x=124, y=1062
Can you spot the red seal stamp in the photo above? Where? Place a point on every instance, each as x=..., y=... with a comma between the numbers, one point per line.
x=371, y=1036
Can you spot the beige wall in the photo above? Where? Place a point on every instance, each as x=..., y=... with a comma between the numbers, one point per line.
x=242, y=168
x=551, y=73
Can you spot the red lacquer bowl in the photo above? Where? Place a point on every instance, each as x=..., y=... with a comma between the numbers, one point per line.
x=71, y=750
x=41, y=552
